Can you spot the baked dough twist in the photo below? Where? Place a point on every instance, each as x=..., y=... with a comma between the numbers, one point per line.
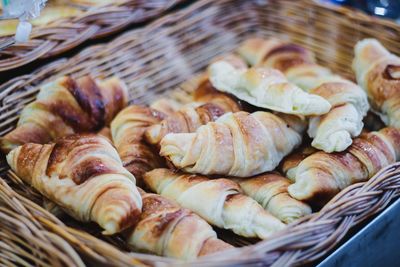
x=322, y=175
x=270, y=190
x=378, y=72
x=237, y=144
x=67, y=106
x=218, y=201
x=266, y=88
x=166, y=229
x=84, y=175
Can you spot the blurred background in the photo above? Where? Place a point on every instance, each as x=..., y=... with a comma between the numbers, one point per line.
x=382, y=8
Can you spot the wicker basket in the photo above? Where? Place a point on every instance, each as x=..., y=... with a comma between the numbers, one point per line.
x=159, y=57
x=91, y=22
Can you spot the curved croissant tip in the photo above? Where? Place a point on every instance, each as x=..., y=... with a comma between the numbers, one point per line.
x=309, y=104
x=175, y=146
x=291, y=174
x=153, y=134
x=267, y=225
x=290, y=213
x=364, y=42
x=302, y=188
x=10, y=157
x=335, y=142
x=324, y=105
x=110, y=228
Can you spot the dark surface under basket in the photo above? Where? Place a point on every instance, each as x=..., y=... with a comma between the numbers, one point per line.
x=157, y=58
x=376, y=244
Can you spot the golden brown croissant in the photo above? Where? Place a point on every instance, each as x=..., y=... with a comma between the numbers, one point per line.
x=266, y=88
x=320, y=176
x=166, y=229
x=218, y=201
x=334, y=130
x=270, y=190
x=378, y=72
x=187, y=120
x=84, y=175
x=236, y=144
x=127, y=130
x=67, y=106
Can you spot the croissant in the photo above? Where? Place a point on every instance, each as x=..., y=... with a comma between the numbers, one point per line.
x=67, y=106
x=166, y=229
x=378, y=72
x=188, y=119
x=334, y=130
x=218, y=201
x=289, y=164
x=320, y=176
x=266, y=88
x=270, y=190
x=236, y=144
x=127, y=130
x=84, y=175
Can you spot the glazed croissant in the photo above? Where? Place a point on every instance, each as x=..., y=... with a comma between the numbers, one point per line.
x=320, y=176
x=236, y=144
x=218, y=201
x=127, y=130
x=266, y=88
x=187, y=120
x=270, y=190
x=378, y=72
x=67, y=106
x=334, y=130
x=84, y=175
x=168, y=230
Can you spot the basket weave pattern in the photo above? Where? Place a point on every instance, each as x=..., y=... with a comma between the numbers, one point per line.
x=155, y=59
x=65, y=34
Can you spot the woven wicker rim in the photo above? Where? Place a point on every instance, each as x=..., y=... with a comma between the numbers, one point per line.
x=95, y=22
x=153, y=73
